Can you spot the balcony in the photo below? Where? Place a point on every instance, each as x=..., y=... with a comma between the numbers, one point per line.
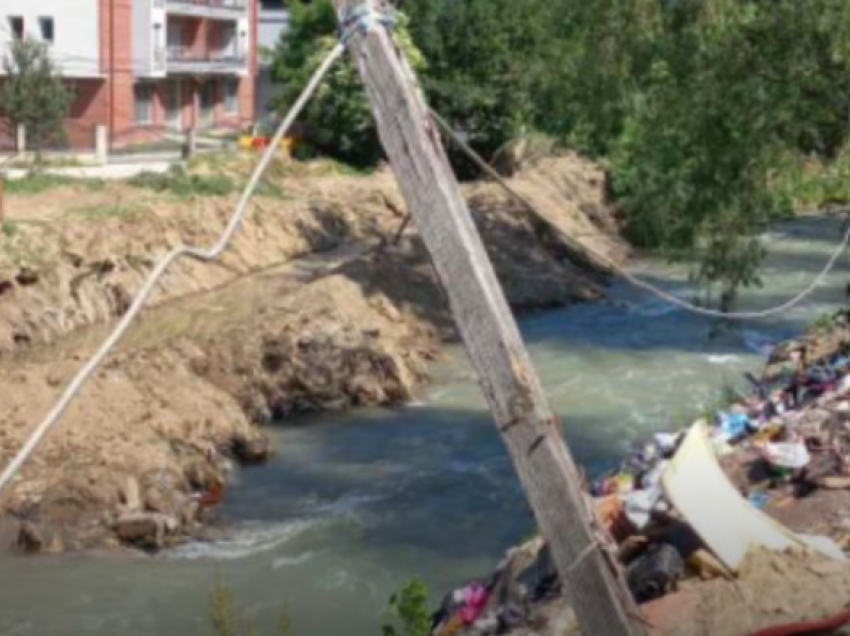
x=215, y=9
x=184, y=61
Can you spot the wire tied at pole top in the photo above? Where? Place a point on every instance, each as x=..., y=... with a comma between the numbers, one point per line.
x=361, y=18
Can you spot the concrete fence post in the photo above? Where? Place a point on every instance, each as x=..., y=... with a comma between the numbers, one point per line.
x=101, y=144
x=21, y=139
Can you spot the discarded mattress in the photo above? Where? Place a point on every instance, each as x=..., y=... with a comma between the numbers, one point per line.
x=695, y=484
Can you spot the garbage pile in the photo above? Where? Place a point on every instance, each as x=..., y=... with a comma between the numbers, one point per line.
x=690, y=505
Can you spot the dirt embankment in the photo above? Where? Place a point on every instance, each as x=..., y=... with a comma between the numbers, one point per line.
x=320, y=304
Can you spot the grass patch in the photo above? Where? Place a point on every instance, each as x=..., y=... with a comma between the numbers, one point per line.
x=823, y=323
x=16, y=249
x=104, y=211
x=271, y=190
x=227, y=619
x=38, y=182
x=178, y=182
x=223, y=174
x=10, y=229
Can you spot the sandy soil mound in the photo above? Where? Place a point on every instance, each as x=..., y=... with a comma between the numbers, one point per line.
x=76, y=254
x=773, y=589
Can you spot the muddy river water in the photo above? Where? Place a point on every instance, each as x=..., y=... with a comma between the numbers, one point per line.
x=354, y=505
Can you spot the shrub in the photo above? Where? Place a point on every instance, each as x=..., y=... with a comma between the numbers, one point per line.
x=180, y=183
x=408, y=611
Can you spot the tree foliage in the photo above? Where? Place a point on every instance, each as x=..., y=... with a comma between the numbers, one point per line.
x=33, y=93
x=697, y=106
x=731, y=86
x=485, y=61
x=338, y=121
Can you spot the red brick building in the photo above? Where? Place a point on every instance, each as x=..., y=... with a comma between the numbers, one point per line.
x=145, y=68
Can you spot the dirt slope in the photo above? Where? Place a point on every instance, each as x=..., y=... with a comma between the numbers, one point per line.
x=316, y=307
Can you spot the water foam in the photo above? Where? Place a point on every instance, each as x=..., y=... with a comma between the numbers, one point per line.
x=249, y=539
x=291, y=561
x=724, y=359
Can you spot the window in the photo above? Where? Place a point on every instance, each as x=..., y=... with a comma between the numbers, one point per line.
x=16, y=26
x=45, y=25
x=231, y=96
x=174, y=104
x=143, y=94
x=207, y=99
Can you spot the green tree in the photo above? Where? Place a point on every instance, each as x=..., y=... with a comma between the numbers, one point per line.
x=33, y=93
x=697, y=106
x=338, y=122
x=485, y=61
x=732, y=86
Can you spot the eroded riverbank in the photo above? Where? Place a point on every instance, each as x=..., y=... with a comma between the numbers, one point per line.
x=321, y=305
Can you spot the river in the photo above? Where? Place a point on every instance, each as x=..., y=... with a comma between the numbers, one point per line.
x=353, y=505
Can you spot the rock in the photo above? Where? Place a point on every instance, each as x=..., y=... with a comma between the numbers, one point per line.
x=251, y=450
x=131, y=495
x=155, y=501
x=145, y=529
x=26, y=277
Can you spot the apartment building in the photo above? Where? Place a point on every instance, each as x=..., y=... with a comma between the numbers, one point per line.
x=143, y=68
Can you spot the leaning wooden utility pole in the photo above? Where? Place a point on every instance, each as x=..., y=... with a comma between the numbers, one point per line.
x=525, y=421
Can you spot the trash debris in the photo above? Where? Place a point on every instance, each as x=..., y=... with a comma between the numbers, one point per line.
x=759, y=499
x=732, y=426
x=757, y=483
x=655, y=573
x=700, y=491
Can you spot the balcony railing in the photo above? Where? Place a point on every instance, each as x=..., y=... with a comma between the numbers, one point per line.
x=207, y=7
x=183, y=59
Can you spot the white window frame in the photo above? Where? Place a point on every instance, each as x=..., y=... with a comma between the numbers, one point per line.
x=44, y=20
x=138, y=90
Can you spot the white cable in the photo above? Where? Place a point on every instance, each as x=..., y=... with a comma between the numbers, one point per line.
x=183, y=250
x=745, y=315
x=631, y=278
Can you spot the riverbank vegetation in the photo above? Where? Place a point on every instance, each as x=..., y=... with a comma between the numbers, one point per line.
x=714, y=117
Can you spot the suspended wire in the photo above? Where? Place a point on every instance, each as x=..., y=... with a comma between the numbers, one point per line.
x=181, y=251
x=625, y=274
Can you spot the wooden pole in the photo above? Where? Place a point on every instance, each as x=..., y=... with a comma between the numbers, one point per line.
x=591, y=580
